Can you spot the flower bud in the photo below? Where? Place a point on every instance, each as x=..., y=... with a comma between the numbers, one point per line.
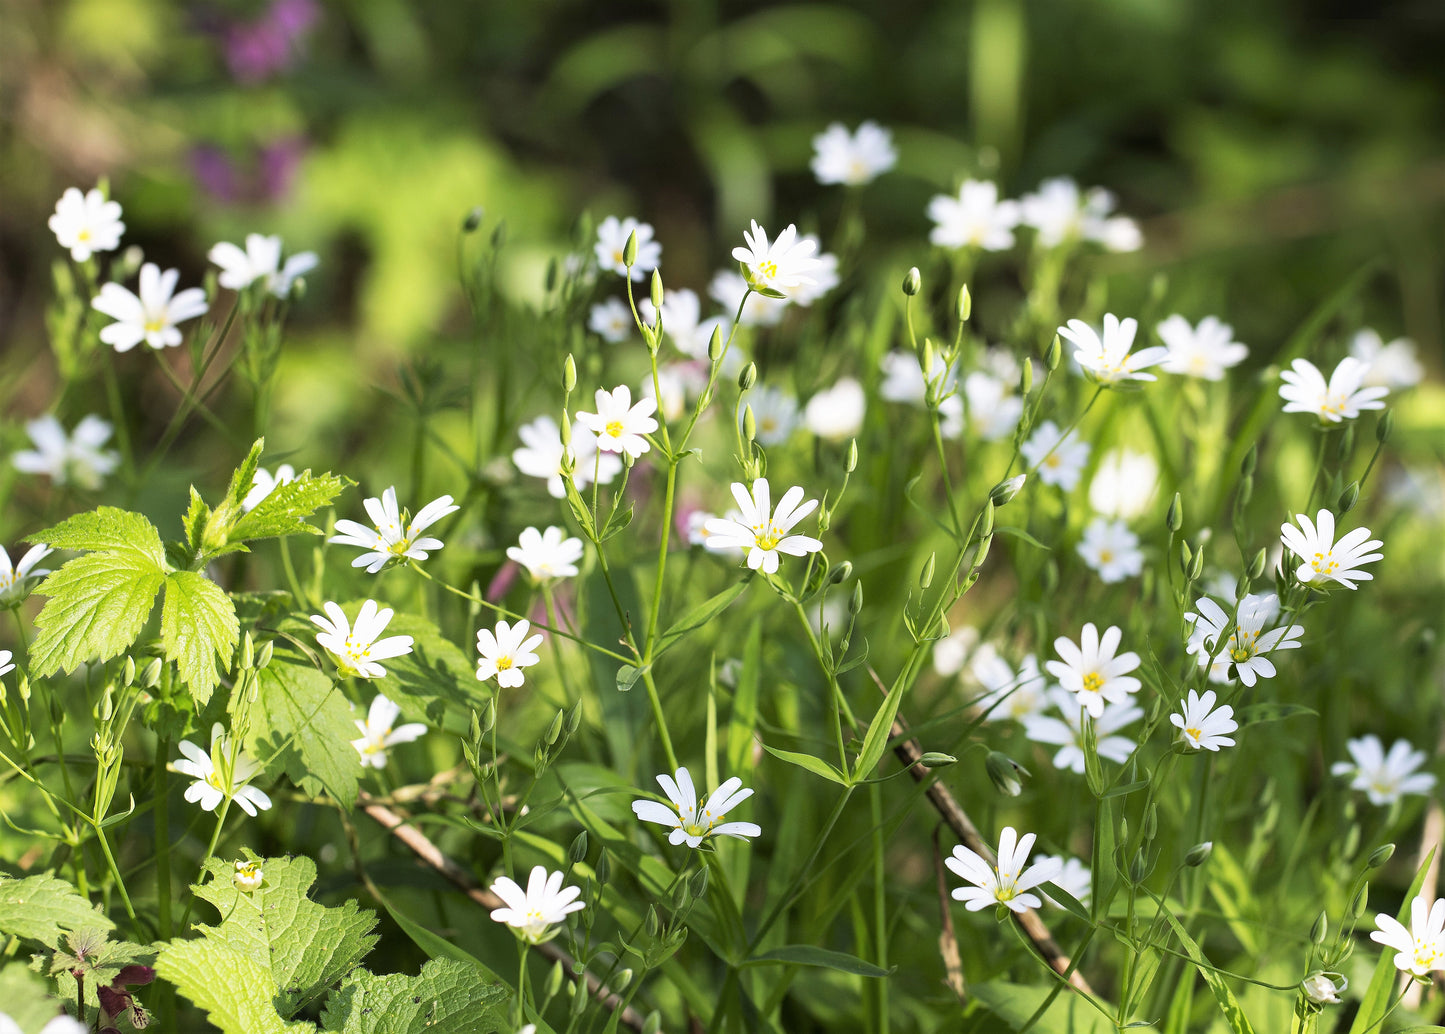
x=937, y=759
x=1174, y=519
x=1199, y=854
x=1005, y=491
x=656, y=286
x=1321, y=928
x=549, y=282
x=1004, y=772
x=151, y=676
x=578, y=849
x=748, y=377
x=1186, y=556
x=499, y=235
x=1055, y=353
x=1349, y=497
x=263, y=655
x=574, y=718
x=715, y=345
x=603, y=868
x=925, y=577
x=855, y=602
x=629, y=250
x=851, y=463
x=489, y=715
x=912, y=282
x=841, y=573
x=1026, y=379
x=1346, y=443
x=1324, y=988
x=554, y=980
x=750, y=423
x=1384, y=426
x=1251, y=459
x=652, y=925
x=569, y=374
x=1139, y=867
x=555, y=729
x=564, y=429
x=1380, y=856
x=984, y=545
x=985, y=524
x=1151, y=821
x=248, y=651
x=651, y=1023
x=1361, y=901
x=1197, y=567
x=473, y=219
x=620, y=981
x=965, y=304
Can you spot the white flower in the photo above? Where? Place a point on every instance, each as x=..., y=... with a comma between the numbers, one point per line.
x=506, y=651
x=775, y=414
x=540, y=456
x=1392, y=366
x=728, y=289
x=1111, y=550
x=150, y=316
x=263, y=484
x=760, y=530
x=974, y=219
x=824, y=277
x=356, y=649
x=1010, y=695
x=1421, y=948
x=1004, y=882
x=682, y=321
x=993, y=411
x=1204, y=351
x=1067, y=732
x=224, y=772
x=786, y=263
x=1343, y=398
x=1201, y=726
x=377, y=734
x=260, y=261
x=1090, y=670
x=86, y=223
x=394, y=537
x=1107, y=359
x=1247, y=643
x=1325, y=561
x=612, y=241
x=1125, y=483
x=691, y=824
x=904, y=379
x=1060, y=215
x=5, y=662
x=836, y=413
x=852, y=158
x=611, y=320
x=952, y=652
x=75, y=458
x=1385, y=778
x=16, y=582
x=58, y=1025
x=546, y=555
x=544, y=904
x=1074, y=878
x=1055, y=462
x=1324, y=988
x=248, y=876
x=618, y=423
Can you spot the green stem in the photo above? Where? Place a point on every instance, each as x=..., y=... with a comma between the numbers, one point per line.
x=210, y=851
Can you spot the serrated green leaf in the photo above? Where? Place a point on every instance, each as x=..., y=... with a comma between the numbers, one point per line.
x=194, y=522
x=98, y=605
x=235, y=991
x=447, y=997
x=198, y=624
x=106, y=528
x=308, y=946
x=809, y=955
x=244, y=476
x=43, y=908
x=285, y=510
x=809, y=763
x=301, y=723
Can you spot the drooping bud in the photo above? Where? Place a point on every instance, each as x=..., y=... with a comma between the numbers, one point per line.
x=473, y=219
x=1199, y=854
x=841, y=573
x=1004, y=772
x=912, y=282
x=1005, y=491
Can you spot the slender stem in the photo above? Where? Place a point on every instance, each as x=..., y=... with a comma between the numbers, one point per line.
x=210, y=850
x=114, y=871
x=653, y=618
x=786, y=899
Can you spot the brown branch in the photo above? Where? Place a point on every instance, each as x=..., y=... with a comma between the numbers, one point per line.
x=947, y=939
x=398, y=826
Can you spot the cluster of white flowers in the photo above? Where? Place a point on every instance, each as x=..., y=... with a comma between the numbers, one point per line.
x=1058, y=213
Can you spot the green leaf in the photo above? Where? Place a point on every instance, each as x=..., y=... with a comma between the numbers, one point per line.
x=26, y=997
x=617, y=520
x=436, y=672
x=1022, y=536
x=194, y=522
x=446, y=997
x=1228, y=1004
x=700, y=615
x=106, y=528
x=806, y=761
x=744, y=718
x=1253, y=714
x=875, y=742
x=1376, y=1002
x=1015, y=1004
x=302, y=723
x=808, y=955
x=627, y=676
x=44, y=909
x=308, y=947
x=244, y=477
x=198, y=624
x=234, y=990
x=435, y=946
x=98, y=605
x=285, y=510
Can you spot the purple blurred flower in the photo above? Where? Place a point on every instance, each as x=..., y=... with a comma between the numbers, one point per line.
x=258, y=50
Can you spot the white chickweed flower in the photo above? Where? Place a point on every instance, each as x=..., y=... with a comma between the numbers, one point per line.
x=16, y=582
x=248, y=876
x=394, y=537
x=611, y=245
x=86, y=223
x=1091, y=671
x=533, y=912
x=546, y=555
x=1067, y=732
x=1125, y=484
x=1385, y=778
x=506, y=651
x=762, y=531
x=852, y=158
x=689, y=823
x=729, y=289
x=260, y=261
x=1111, y=550
x=683, y=324
x=775, y=413
x=1324, y=988
x=1010, y=695
x=1325, y=562
x=150, y=316
x=1056, y=462
x=1420, y=949
x=786, y=263
x=1247, y=641
x=1074, y=878
x=1201, y=726
x=6, y=665
x=824, y=277
x=976, y=218
x=1060, y=215
x=611, y=320
x=356, y=649
x=378, y=734
x=619, y=424
x=542, y=451
x=1394, y=366
x=224, y=772
x=76, y=458
x=1107, y=359
x=263, y=483
x=1005, y=882
x=1344, y=397
x=836, y=413
x=1205, y=351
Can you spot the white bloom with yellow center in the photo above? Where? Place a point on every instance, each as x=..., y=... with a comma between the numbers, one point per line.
x=1062, y=214
x=76, y=458
x=356, y=649
x=1004, y=881
x=1202, y=726
x=1107, y=358
x=1067, y=732
x=1056, y=462
x=260, y=261
x=1395, y=365
x=223, y=773
x=836, y=413
x=248, y=876
x=86, y=223
x=1324, y=988
x=852, y=158
x=1111, y=550
x=542, y=452
x=611, y=320
x=16, y=582
x=1247, y=641
x=775, y=414
x=1091, y=671
x=394, y=537
x=1204, y=351
x=1343, y=397
x=786, y=263
x=506, y=651
x=691, y=824
x=546, y=555
x=1385, y=778
x=762, y=531
x=1420, y=949
x=976, y=218
x=152, y=315
x=611, y=246
x=1325, y=562
x=534, y=912
x=619, y=424
x=380, y=732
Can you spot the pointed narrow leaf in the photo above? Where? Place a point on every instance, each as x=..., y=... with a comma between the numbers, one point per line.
x=808, y=955
x=806, y=761
x=700, y=615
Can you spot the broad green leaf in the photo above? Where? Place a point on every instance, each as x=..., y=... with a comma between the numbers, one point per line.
x=447, y=997
x=43, y=908
x=434, y=674
x=1376, y=1001
x=98, y=605
x=808, y=955
x=106, y=528
x=26, y=997
x=307, y=946
x=1015, y=1004
x=285, y=510
x=234, y=990
x=627, y=676
x=198, y=624
x=302, y=723
x=806, y=761
x=700, y=615
x=435, y=946
x=1228, y=1004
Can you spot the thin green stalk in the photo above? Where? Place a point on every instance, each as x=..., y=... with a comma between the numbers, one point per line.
x=880, y=902
x=210, y=850
x=786, y=899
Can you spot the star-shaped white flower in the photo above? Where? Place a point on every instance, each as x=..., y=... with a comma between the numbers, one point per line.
x=775, y=414
x=611, y=243
x=86, y=223
x=786, y=263
x=1204, y=351
x=248, y=876
x=546, y=555
x=1201, y=726
x=1324, y=988
x=153, y=315
x=1111, y=550
x=1056, y=463
x=690, y=824
x=976, y=218
x=1074, y=878
x=852, y=158
x=260, y=261
x=762, y=531
x=506, y=651
x=263, y=483
x=1394, y=365
x=16, y=582
x=836, y=413
x=1342, y=398
x=1385, y=778
x=1420, y=949
x=1061, y=214
x=1009, y=695
x=356, y=649
x=534, y=912
x=394, y=537
x=824, y=276
x=225, y=772
x=991, y=407
x=542, y=451
x=378, y=734
x=729, y=289
x=619, y=424
x=1091, y=671
x=611, y=320
x=1326, y=563
x=1067, y=732
x=76, y=458
x=1247, y=641
x=1108, y=359
x=1005, y=881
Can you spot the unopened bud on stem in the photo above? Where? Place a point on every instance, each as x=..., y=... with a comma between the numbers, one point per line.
x=912, y=282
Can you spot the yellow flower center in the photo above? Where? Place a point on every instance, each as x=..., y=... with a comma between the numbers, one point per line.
x=1106, y=555
x=155, y=326
x=1194, y=734
x=767, y=270
x=618, y=257
x=84, y=234
x=1052, y=460
x=1324, y=563
x=248, y=870
x=214, y=780
x=503, y=663
x=397, y=548
x=614, y=429
x=1092, y=682
x=769, y=538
